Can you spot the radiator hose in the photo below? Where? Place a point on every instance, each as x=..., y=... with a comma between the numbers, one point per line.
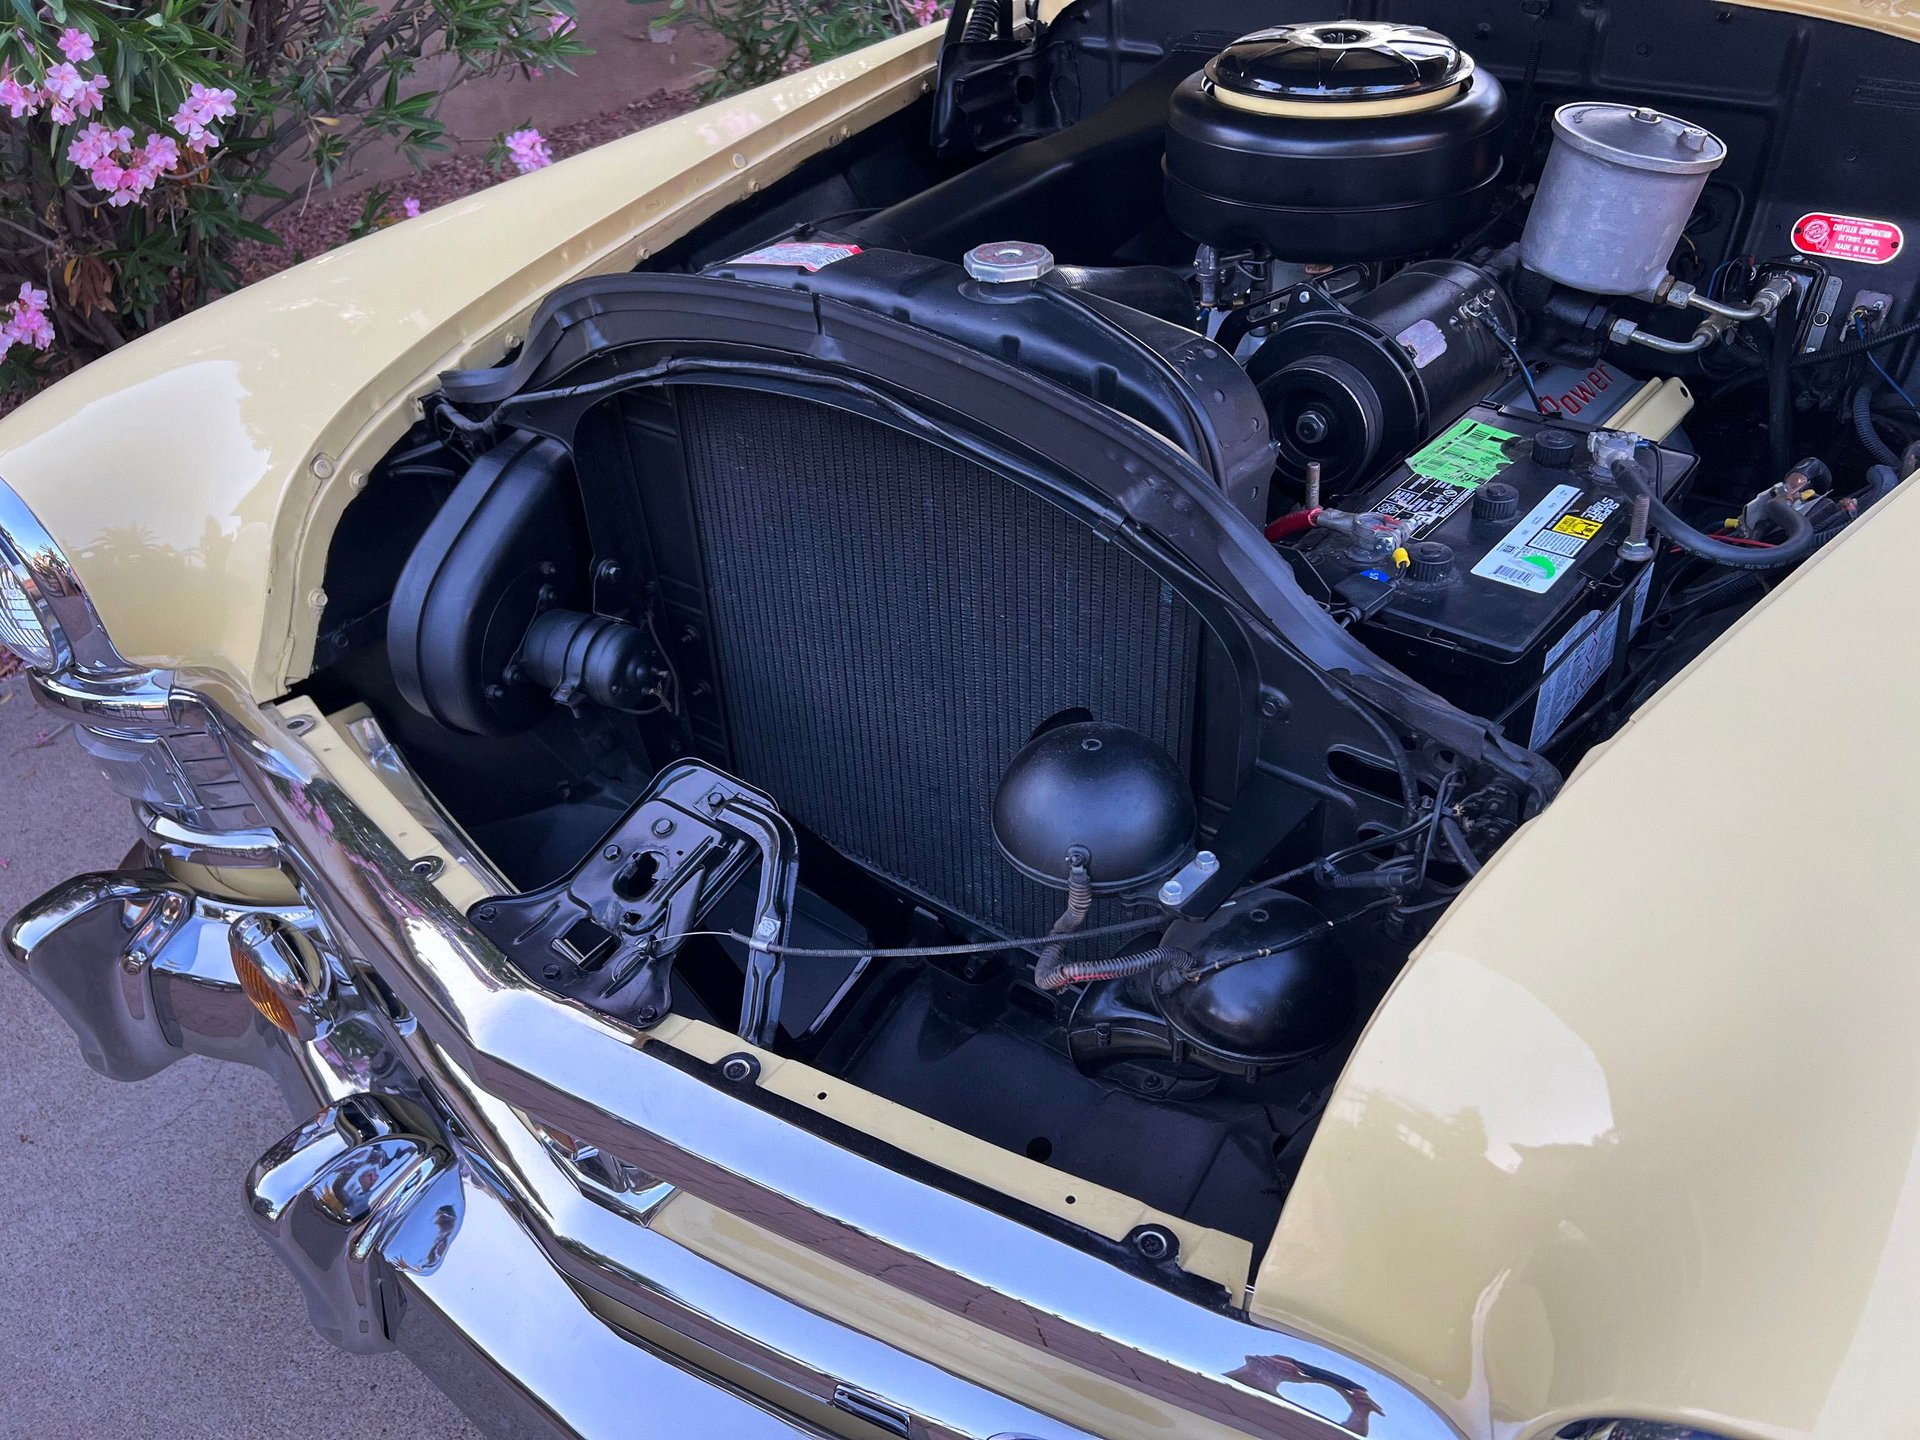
x=1152, y=289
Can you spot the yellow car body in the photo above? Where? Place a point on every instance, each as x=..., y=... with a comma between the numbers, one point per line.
x=1613, y=1146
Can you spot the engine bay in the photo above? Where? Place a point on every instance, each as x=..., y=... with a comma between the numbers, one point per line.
x=1037, y=614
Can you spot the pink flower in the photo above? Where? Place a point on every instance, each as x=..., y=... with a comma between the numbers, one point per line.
x=26, y=321
x=161, y=154
x=197, y=113
x=527, y=149
x=20, y=100
x=925, y=12
x=113, y=165
x=64, y=82
x=30, y=327
x=92, y=145
x=215, y=104
x=559, y=23
x=76, y=45
x=72, y=94
x=410, y=207
x=89, y=100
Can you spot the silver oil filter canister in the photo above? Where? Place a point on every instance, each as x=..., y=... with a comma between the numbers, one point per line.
x=1620, y=185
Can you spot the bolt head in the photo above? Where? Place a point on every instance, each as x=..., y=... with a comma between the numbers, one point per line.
x=1173, y=892
x=663, y=826
x=612, y=852
x=767, y=928
x=1153, y=1243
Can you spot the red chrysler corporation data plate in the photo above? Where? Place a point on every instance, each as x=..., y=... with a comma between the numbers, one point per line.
x=1847, y=237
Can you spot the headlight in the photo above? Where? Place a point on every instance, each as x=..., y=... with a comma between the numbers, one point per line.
x=152, y=744
x=26, y=626
x=45, y=617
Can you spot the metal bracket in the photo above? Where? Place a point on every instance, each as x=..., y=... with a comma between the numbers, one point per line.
x=607, y=934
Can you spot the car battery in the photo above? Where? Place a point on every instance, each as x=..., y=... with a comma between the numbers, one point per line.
x=1516, y=601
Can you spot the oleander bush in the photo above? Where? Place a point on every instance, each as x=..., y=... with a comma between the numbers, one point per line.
x=141, y=143
x=766, y=39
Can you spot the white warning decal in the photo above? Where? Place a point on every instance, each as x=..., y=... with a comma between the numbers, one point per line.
x=812, y=256
x=1520, y=559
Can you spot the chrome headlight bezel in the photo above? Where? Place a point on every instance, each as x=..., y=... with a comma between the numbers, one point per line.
x=37, y=563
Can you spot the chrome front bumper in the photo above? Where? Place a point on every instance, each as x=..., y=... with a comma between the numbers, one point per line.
x=477, y=1186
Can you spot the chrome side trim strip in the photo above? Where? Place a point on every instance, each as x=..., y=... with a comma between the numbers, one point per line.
x=599, y=1082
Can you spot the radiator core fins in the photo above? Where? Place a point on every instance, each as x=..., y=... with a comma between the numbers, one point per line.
x=891, y=621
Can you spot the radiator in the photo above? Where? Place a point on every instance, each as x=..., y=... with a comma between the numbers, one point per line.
x=891, y=622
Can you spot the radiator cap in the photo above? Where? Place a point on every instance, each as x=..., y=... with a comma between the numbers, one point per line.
x=1101, y=788
x=1006, y=261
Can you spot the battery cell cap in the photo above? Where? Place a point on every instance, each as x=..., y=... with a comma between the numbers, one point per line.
x=1432, y=562
x=1496, y=501
x=1554, y=448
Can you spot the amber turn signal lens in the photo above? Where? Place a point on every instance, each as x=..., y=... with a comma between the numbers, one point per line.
x=260, y=992
x=279, y=974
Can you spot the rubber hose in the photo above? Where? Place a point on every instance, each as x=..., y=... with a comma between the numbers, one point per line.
x=1152, y=289
x=1868, y=432
x=1883, y=480
x=1786, y=328
x=1050, y=963
x=983, y=21
x=1799, y=543
x=1117, y=967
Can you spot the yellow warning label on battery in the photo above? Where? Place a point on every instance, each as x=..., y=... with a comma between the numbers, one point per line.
x=1577, y=526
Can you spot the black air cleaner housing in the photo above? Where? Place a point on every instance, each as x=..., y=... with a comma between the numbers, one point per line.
x=1335, y=142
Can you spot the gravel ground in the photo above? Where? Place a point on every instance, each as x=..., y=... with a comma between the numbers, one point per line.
x=136, y=1301
x=325, y=223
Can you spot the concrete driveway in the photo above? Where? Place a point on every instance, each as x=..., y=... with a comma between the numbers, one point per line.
x=135, y=1299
